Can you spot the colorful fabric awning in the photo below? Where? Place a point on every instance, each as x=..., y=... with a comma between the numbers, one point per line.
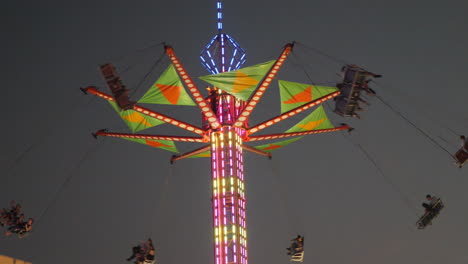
x=240, y=83
x=316, y=120
x=294, y=94
x=134, y=120
x=168, y=89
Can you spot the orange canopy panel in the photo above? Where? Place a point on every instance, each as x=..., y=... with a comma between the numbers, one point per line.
x=8, y=260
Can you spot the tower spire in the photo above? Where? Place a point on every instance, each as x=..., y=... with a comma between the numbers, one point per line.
x=222, y=53
x=219, y=6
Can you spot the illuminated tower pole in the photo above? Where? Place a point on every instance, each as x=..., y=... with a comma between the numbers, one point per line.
x=223, y=54
x=229, y=203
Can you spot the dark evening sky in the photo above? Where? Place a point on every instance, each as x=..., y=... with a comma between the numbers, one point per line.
x=94, y=199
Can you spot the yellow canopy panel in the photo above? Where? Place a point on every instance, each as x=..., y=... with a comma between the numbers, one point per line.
x=8, y=260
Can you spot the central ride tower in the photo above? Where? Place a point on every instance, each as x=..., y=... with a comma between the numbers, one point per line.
x=225, y=124
x=223, y=54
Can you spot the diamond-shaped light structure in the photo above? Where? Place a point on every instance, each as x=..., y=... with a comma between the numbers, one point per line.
x=222, y=53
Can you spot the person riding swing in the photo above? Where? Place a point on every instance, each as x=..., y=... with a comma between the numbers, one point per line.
x=462, y=154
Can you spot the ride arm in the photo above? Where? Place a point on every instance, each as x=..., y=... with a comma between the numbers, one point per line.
x=291, y=113
x=256, y=151
x=104, y=133
x=199, y=100
x=295, y=134
x=255, y=98
x=147, y=112
x=189, y=154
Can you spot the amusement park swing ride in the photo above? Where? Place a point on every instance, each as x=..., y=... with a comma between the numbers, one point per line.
x=234, y=93
x=225, y=129
x=225, y=133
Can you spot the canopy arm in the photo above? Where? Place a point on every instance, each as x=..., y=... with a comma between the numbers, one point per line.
x=295, y=134
x=104, y=133
x=256, y=151
x=199, y=100
x=263, y=85
x=194, y=129
x=189, y=154
x=291, y=113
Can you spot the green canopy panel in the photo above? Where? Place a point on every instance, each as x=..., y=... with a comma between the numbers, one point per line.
x=316, y=120
x=240, y=83
x=294, y=94
x=276, y=145
x=168, y=89
x=134, y=120
x=162, y=144
x=205, y=154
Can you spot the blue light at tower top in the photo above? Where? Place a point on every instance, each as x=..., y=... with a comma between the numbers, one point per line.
x=222, y=49
x=220, y=16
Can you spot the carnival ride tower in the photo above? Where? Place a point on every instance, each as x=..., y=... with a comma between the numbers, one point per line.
x=223, y=54
x=234, y=94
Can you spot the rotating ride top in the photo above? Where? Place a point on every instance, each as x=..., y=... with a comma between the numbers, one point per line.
x=225, y=129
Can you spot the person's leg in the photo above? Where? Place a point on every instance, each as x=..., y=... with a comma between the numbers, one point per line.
x=427, y=207
x=135, y=250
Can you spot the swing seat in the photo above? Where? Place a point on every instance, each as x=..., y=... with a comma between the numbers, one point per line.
x=346, y=106
x=116, y=86
x=20, y=233
x=461, y=157
x=354, y=81
x=427, y=218
x=298, y=256
x=147, y=261
x=23, y=234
